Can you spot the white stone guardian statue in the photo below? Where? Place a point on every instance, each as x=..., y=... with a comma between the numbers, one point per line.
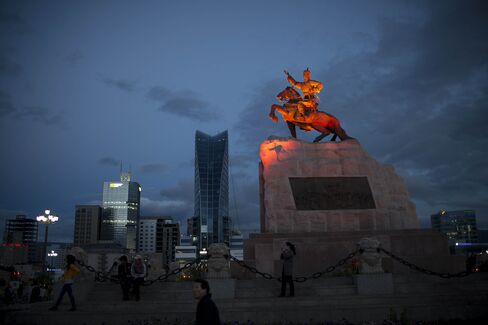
x=370, y=257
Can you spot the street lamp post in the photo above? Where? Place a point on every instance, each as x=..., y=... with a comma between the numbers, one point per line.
x=46, y=219
x=52, y=254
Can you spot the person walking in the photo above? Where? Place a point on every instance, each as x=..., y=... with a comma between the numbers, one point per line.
x=207, y=311
x=287, y=253
x=138, y=272
x=70, y=271
x=124, y=275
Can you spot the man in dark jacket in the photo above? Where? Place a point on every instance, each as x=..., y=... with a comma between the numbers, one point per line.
x=124, y=275
x=287, y=253
x=207, y=312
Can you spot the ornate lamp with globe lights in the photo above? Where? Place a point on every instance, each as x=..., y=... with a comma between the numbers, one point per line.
x=46, y=219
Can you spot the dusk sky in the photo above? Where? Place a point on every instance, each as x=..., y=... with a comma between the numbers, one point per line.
x=85, y=85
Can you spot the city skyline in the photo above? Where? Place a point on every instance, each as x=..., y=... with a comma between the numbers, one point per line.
x=85, y=86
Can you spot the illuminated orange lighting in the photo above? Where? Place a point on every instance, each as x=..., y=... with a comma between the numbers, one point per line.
x=273, y=151
x=13, y=245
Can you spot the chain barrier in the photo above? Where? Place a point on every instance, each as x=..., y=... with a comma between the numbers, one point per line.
x=316, y=275
x=99, y=275
x=102, y=276
x=424, y=270
x=164, y=277
x=341, y=262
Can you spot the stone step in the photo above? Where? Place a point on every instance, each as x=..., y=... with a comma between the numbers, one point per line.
x=425, y=299
x=353, y=308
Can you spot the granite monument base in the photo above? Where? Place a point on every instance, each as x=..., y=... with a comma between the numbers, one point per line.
x=317, y=251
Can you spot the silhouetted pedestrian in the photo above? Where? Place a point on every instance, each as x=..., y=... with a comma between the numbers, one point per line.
x=138, y=272
x=124, y=276
x=70, y=271
x=287, y=253
x=207, y=312
x=35, y=293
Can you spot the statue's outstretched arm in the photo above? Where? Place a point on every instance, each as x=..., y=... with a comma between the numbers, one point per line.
x=290, y=79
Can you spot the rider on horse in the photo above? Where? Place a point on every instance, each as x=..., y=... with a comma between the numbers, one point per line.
x=309, y=88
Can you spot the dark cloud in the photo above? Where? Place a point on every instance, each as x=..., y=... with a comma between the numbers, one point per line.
x=179, y=210
x=182, y=103
x=159, y=94
x=109, y=161
x=154, y=168
x=121, y=84
x=417, y=100
x=422, y=97
x=175, y=201
x=40, y=114
x=32, y=113
x=182, y=191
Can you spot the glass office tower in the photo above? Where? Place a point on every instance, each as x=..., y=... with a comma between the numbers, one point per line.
x=459, y=226
x=211, y=222
x=121, y=205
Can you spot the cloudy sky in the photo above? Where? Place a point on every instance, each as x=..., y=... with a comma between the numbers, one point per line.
x=87, y=84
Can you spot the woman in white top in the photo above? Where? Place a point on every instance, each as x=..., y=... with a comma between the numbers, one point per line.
x=138, y=272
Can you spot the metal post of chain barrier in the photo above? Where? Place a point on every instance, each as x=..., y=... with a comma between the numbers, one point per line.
x=316, y=275
x=424, y=270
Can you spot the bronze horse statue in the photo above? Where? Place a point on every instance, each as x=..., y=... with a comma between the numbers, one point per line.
x=318, y=121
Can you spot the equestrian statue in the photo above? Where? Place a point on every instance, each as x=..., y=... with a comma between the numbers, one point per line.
x=302, y=111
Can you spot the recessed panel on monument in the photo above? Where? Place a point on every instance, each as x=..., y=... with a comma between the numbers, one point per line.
x=331, y=193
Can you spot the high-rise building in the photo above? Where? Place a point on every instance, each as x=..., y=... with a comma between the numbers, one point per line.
x=120, y=215
x=237, y=245
x=159, y=235
x=211, y=222
x=22, y=230
x=167, y=238
x=459, y=226
x=87, y=224
x=147, y=234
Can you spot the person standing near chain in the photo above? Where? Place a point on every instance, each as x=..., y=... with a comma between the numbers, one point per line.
x=287, y=253
x=138, y=272
x=70, y=271
x=124, y=275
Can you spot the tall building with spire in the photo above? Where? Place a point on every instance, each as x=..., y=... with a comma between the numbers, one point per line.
x=121, y=211
x=211, y=222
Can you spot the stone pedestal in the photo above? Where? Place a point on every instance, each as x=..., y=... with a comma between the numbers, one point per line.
x=374, y=283
x=333, y=186
x=325, y=198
